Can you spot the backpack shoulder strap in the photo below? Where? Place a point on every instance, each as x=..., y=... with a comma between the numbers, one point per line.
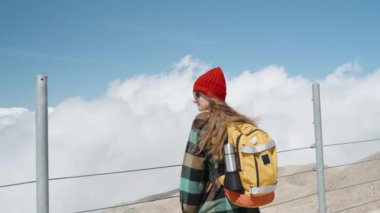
x=215, y=172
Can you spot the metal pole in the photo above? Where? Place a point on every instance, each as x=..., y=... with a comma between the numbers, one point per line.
x=42, y=160
x=319, y=148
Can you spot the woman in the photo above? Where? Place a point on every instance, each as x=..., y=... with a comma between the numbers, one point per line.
x=198, y=193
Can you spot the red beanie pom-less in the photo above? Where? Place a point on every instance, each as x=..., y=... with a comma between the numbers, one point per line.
x=212, y=84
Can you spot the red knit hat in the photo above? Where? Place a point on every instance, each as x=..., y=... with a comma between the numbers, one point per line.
x=212, y=84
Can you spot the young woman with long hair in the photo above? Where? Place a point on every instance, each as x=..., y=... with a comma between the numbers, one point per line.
x=204, y=151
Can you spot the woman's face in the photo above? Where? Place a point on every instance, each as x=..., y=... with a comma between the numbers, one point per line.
x=201, y=101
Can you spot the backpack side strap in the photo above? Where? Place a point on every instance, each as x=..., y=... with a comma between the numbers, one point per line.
x=263, y=189
x=258, y=149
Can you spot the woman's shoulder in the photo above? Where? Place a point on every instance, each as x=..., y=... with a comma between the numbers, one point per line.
x=200, y=120
x=203, y=115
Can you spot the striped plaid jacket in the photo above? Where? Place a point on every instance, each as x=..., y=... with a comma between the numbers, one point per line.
x=197, y=193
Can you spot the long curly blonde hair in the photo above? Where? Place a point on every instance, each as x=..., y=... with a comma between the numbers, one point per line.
x=215, y=133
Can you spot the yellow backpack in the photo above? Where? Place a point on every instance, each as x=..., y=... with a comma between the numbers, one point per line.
x=254, y=180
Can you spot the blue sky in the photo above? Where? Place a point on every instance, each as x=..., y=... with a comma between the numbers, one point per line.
x=83, y=45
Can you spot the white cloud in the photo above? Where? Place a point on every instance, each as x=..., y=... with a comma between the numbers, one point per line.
x=8, y=116
x=344, y=73
x=144, y=122
x=144, y=93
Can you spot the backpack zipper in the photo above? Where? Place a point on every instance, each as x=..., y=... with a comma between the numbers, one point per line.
x=238, y=152
x=257, y=171
x=256, y=164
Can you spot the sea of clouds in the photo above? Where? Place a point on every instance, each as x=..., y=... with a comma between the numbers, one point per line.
x=144, y=121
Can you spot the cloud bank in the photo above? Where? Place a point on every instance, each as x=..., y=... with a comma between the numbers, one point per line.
x=144, y=122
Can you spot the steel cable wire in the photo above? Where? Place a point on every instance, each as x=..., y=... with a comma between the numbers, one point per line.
x=152, y=168
x=117, y=172
x=129, y=204
x=177, y=165
x=125, y=171
x=354, y=163
x=178, y=196
x=296, y=149
x=162, y=167
x=363, y=204
x=288, y=201
x=352, y=142
x=17, y=184
x=297, y=173
x=91, y=175
x=97, y=174
x=276, y=204
x=353, y=185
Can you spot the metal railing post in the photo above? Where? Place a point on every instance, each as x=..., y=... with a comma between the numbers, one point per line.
x=42, y=159
x=319, y=148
